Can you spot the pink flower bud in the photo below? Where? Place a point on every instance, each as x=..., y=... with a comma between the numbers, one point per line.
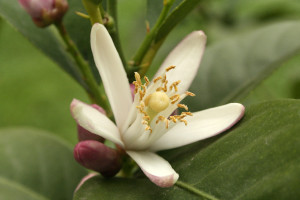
x=98, y=157
x=84, y=134
x=45, y=12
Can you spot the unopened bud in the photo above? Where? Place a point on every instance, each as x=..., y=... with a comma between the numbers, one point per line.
x=98, y=157
x=84, y=134
x=45, y=12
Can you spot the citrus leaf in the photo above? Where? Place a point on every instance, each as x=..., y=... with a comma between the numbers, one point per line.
x=37, y=164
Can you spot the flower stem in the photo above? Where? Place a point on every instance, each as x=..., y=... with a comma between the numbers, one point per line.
x=93, y=88
x=94, y=11
x=113, y=29
x=195, y=190
x=139, y=58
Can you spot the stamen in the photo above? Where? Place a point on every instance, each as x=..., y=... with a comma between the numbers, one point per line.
x=175, y=98
x=159, y=89
x=169, y=68
x=144, y=89
x=183, y=106
x=148, y=128
x=141, y=95
x=136, y=86
x=147, y=80
x=190, y=94
x=165, y=89
x=164, y=78
x=184, y=121
x=156, y=79
x=174, y=85
x=173, y=119
x=146, y=117
x=163, y=119
x=138, y=78
x=187, y=113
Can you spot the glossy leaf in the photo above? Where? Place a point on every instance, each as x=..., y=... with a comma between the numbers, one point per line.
x=231, y=68
x=179, y=13
x=47, y=39
x=36, y=165
x=258, y=159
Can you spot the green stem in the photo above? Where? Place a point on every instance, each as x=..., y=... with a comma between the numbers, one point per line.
x=113, y=30
x=93, y=88
x=142, y=51
x=94, y=11
x=194, y=190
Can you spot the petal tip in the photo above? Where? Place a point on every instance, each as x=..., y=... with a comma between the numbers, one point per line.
x=163, y=181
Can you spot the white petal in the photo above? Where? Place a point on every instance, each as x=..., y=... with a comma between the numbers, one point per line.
x=111, y=70
x=94, y=121
x=201, y=125
x=186, y=56
x=157, y=169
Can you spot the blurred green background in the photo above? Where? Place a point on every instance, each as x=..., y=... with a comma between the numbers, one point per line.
x=35, y=92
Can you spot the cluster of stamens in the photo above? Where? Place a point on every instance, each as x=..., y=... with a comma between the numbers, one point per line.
x=149, y=110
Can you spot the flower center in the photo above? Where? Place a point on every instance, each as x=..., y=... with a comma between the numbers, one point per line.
x=156, y=102
x=159, y=100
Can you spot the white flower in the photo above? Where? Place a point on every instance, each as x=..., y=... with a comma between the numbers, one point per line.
x=144, y=126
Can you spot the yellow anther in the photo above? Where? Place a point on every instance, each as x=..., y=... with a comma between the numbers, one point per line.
x=159, y=89
x=156, y=79
x=169, y=68
x=167, y=123
x=141, y=95
x=181, y=116
x=173, y=119
x=183, y=106
x=164, y=78
x=187, y=113
x=165, y=86
x=138, y=78
x=163, y=119
x=147, y=80
x=190, y=94
x=175, y=99
x=148, y=128
x=145, y=122
x=144, y=89
x=174, y=96
x=184, y=121
x=136, y=87
x=174, y=85
x=146, y=117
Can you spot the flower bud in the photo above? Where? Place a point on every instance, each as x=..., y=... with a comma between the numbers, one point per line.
x=98, y=157
x=45, y=12
x=84, y=134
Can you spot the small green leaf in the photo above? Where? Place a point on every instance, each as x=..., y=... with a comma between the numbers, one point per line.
x=258, y=159
x=37, y=165
x=232, y=68
x=179, y=13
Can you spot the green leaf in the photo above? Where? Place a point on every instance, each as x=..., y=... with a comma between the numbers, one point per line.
x=283, y=83
x=36, y=165
x=258, y=159
x=11, y=190
x=232, y=68
x=47, y=39
x=179, y=13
